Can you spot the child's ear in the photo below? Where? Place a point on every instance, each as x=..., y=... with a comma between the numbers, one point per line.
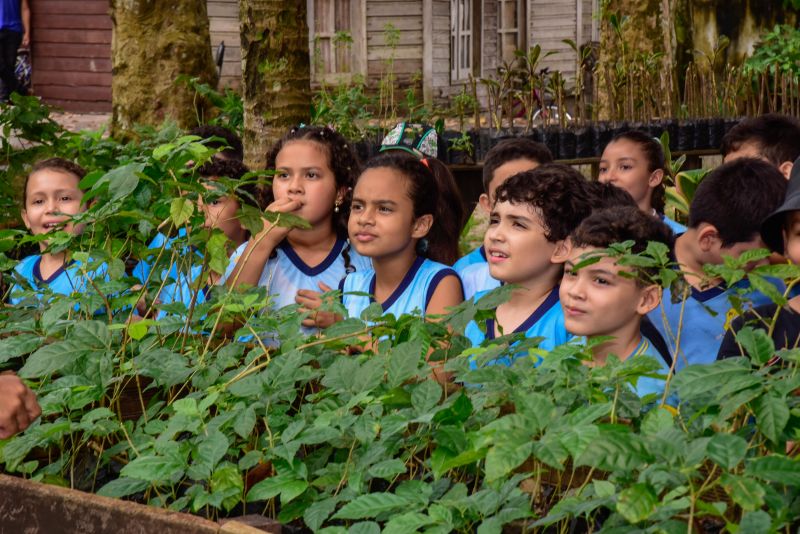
x=561, y=252
x=656, y=177
x=25, y=219
x=708, y=238
x=786, y=168
x=483, y=202
x=649, y=299
x=422, y=226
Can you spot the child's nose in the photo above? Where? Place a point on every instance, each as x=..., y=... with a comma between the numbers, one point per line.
x=296, y=184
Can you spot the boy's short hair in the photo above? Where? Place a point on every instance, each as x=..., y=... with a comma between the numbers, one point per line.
x=247, y=193
x=510, y=150
x=777, y=137
x=605, y=195
x=557, y=192
x=53, y=164
x=605, y=227
x=736, y=197
x=232, y=147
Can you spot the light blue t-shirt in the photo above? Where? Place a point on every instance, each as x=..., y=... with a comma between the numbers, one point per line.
x=145, y=266
x=704, y=318
x=546, y=321
x=412, y=295
x=67, y=280
x=646, y=385
x=676, y=227
x=476, y=256
x=473, y=269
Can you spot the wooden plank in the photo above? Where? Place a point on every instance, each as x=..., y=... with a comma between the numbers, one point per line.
x=51, y=35
x=56, y=64
x=402, y=67
x=394, y=9
x=401, y=52
x=377, y=24
x=73, y=22
x=100, y=106
x=70, y=7
x=223, y=25
x=72, y=50
x=224, y=9
x=78, y=79
x=408, y=37
x=67, y=92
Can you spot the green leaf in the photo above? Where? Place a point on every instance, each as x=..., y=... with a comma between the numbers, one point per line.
x=287, y=486
x=15, y=346
x=122, y=181
x=387, y=469
x=154, y=468
x=405, y=523
x=404, y=361
x=245, y=422
x=604, y=488
x=656, y=420
x=137, y=330
x=745, y=492
x=757, y=522
x=365, y=527
x=637, y=503
x=775, y=469
x=371, y=505
x=425, y=396
x=772, y=414
x=756, y=343
x=122, y=487
x=504, y=457
x=209, y=452
x=318, y=512
x=726, y=450
x=51, y=359
x=180, y=210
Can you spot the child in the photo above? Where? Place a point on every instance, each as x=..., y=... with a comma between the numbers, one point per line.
x=230, y=143
x=504, y=160
x=781, y=232
x=394, y=220
x=772, y=137
x=51, y=195
x=533, y=214
x=724, y=220
x=315, y=169
x=220, y=207
x=634, y=161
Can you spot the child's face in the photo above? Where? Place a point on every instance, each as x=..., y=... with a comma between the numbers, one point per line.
x=624, y=165
x=220, y=211
x=382, y=223
x=598, y=301
x=791, y=236
x=51, y=197
x=516, y=247
x=500, y=175
x=303, y=173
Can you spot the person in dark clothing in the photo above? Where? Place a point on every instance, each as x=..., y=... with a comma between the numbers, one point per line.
x=781, y=232
x=15, y=17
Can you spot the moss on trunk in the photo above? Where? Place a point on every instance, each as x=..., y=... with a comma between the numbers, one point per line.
x=153, y=44
x=276, y=75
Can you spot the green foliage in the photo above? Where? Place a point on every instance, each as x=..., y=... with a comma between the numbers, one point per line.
x=778, y=49
x=177, y=412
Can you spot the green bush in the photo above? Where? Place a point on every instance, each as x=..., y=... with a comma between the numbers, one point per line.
x=777, y=49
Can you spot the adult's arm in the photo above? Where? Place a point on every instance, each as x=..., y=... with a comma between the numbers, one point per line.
x=25, y=10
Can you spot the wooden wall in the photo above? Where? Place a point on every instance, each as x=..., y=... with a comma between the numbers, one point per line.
x=551, y=21
x=405, y=16
x=223, y=16
x=71, y=53
x=440, y=75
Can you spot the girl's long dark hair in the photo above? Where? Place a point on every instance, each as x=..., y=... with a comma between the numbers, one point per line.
x=341, y=159
x=655, y=160
x=432, y=191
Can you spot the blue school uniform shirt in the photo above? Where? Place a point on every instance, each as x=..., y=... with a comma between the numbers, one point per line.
x=676, y=227
x=145, y=267
x=11, y=16
x=476, y=256
x=412, y=295
x=473, y=269
x=546, y=321
x=66, y=280
x=704, y=318
x=646, y=385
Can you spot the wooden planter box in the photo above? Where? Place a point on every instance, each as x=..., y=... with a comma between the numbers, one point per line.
x=34, y=508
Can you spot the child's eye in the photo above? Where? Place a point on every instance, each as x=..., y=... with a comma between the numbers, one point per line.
x=494, y=220
x=66, y=199
x=519, y=225
x=355, y=206
x=625, y=167
x=282, y=175
x=384, y=209
x=313, y=175
x=601, y=281
x=603, y=169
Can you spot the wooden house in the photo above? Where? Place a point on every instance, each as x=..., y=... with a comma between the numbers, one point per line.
x=437, y=44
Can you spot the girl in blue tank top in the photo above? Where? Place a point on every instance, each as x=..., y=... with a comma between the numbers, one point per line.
x=401, y=217
x=314, y=170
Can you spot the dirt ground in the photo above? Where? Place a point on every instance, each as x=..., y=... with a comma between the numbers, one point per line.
x=81, y=121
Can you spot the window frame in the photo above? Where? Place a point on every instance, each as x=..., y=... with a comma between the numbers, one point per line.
x=358, y=48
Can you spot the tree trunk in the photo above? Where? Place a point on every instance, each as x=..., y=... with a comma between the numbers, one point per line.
x=154, y=42
x=276, y=72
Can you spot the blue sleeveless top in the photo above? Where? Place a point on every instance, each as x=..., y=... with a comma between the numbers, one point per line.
x=412, y=295
x=66, y=280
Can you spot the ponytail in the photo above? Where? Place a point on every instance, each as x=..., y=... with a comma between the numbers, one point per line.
x=432, y=191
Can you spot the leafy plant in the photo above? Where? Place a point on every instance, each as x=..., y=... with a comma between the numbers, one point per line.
x=777, y=50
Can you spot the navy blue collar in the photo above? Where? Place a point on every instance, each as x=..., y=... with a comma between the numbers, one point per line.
x=538, y=313
x=407, y=279
x=483, y=252
x=37, y=271
x=303, y=267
